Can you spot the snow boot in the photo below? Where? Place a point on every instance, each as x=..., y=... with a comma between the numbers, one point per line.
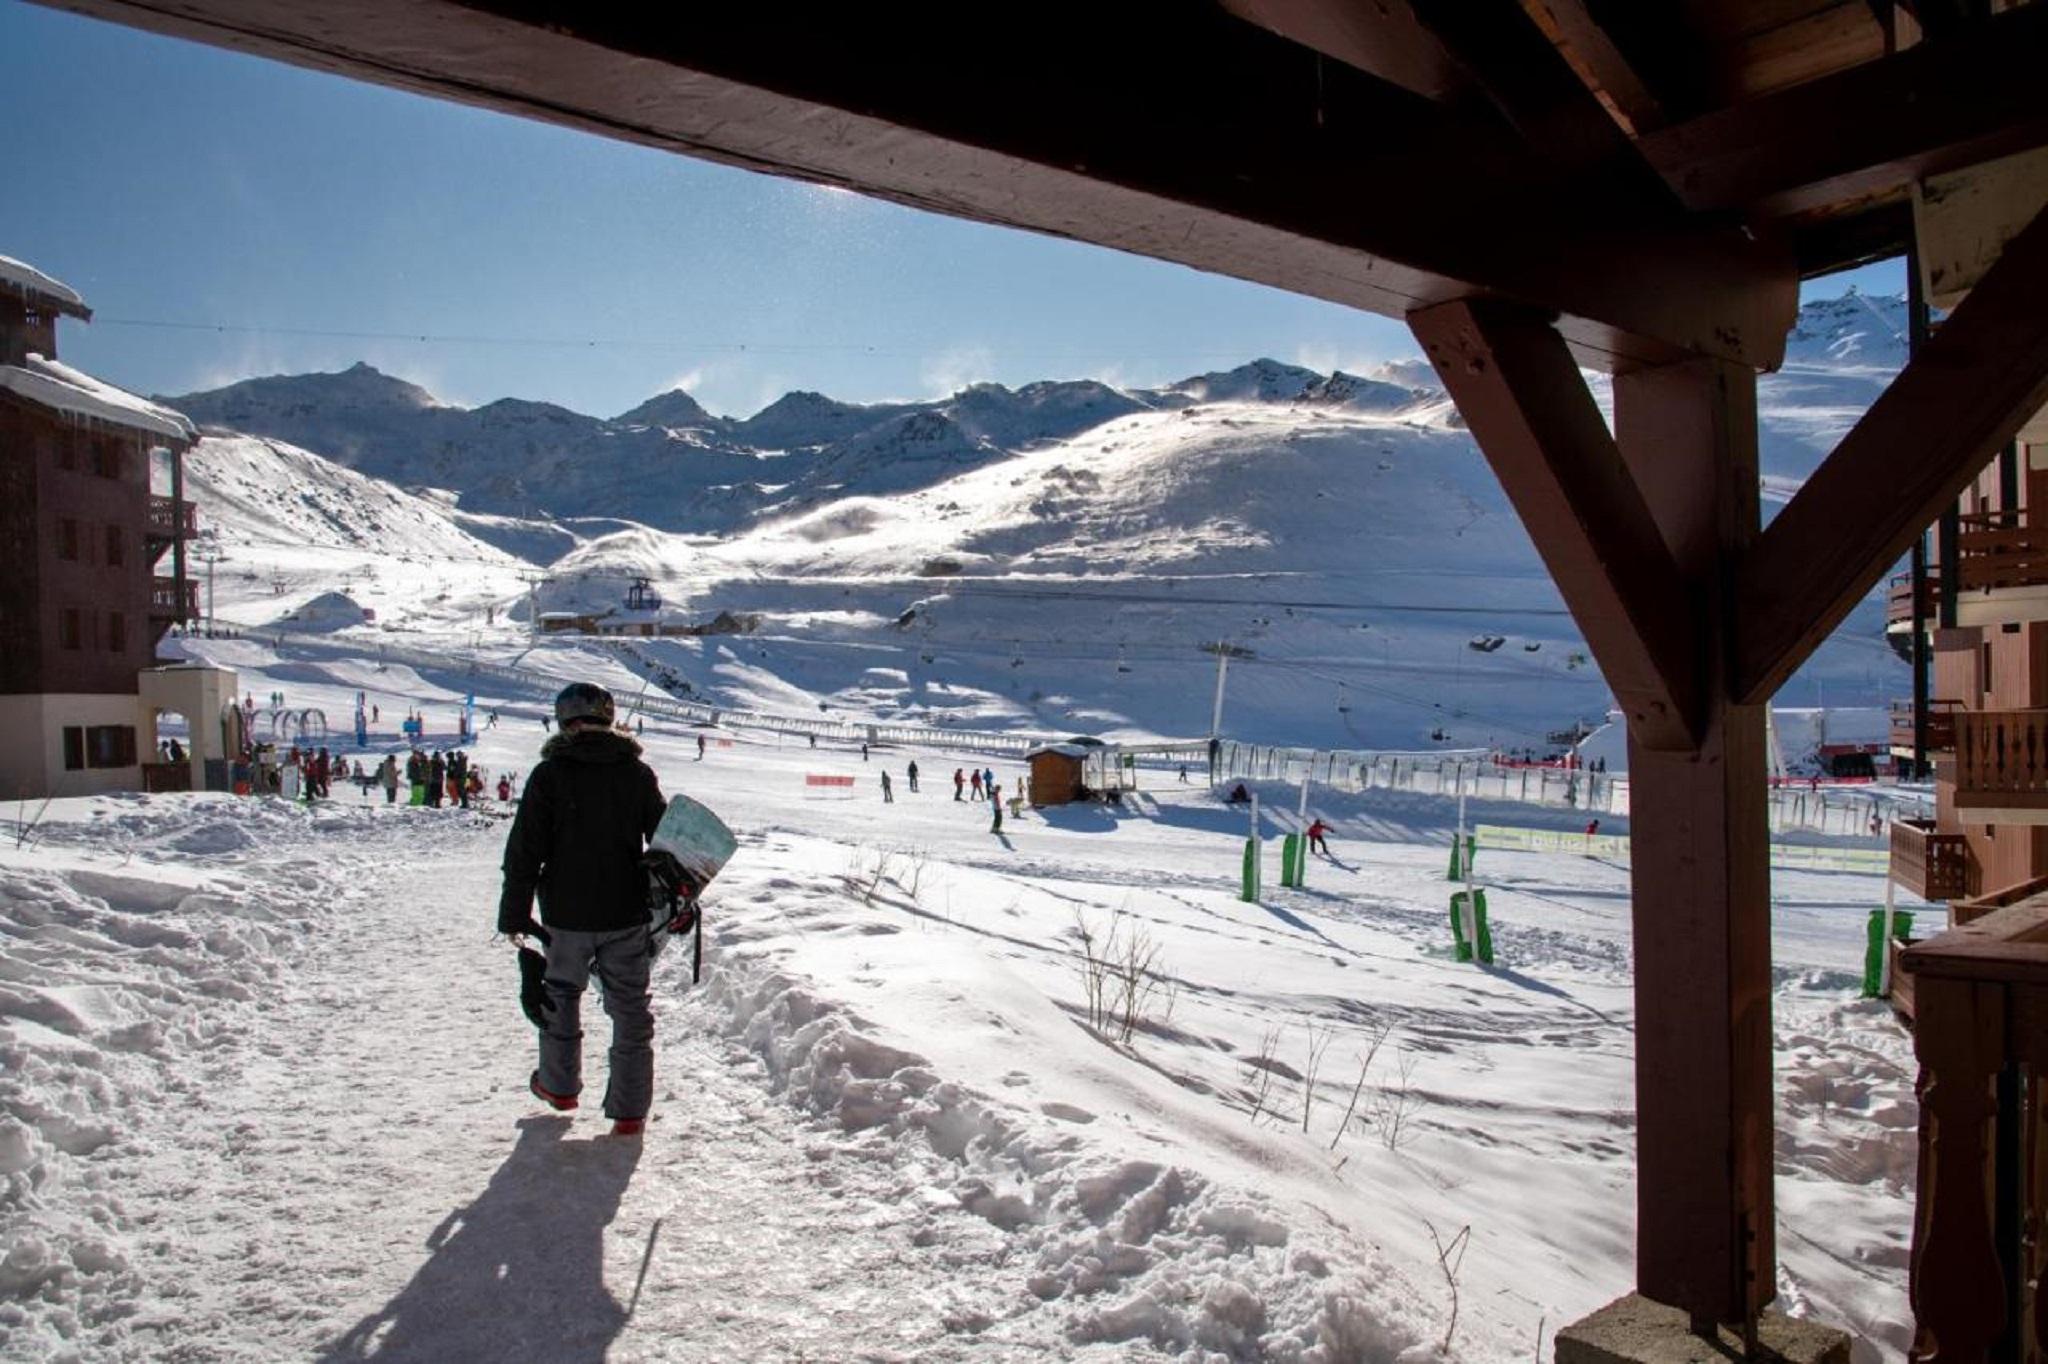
x=561, y=1103
x=628, y=1127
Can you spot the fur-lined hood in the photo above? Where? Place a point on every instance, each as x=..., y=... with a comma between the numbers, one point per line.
x=592, y=746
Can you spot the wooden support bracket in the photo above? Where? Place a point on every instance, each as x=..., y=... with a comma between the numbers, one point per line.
x=1966, y=393
x=1527, y=404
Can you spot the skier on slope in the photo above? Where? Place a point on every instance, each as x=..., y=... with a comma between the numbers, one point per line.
x=959, y=781
x=584, y=820
x=888, y=796
x=974, y=784
x=912, y=774
x=1318, y=836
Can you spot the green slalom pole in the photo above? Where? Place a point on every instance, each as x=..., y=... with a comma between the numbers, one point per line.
x=1290, y=860
x=1876, y=951
x=1470, y=936
x=1251, y=858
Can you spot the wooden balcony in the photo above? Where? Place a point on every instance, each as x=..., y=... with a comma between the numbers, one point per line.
x=1934, y=866
x=171, y=519
x=1980, y=997
x=167, y=603
x=2001, y=569
x=1941, y=726
x=2002, y=766
x=1898, y=606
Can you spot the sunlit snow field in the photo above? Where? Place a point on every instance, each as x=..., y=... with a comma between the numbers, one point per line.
x=262, y=1082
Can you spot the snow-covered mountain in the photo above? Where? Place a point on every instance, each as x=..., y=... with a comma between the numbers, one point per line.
x=1056, y=556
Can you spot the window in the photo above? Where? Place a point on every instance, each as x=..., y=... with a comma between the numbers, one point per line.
x=67, y=450
x=106, y=458
x=67, y=538
x=113, y=546
x=74, y=748
x=110, y=746
x=117, y=633
x=70, y=632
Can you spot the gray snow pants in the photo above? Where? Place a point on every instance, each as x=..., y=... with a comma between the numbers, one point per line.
x=622, y=963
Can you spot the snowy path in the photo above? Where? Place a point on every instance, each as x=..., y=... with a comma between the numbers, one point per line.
x=262, y=1095
x=389, y=1192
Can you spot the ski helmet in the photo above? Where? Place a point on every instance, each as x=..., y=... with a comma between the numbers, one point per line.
x=584, y=701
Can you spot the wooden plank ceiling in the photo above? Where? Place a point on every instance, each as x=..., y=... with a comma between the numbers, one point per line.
x=1657, y=175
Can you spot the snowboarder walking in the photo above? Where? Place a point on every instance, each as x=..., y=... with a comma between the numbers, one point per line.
x=975, y=787
x=959, y=782
x=1317, y=838
x=912, y=774
x=888, y=796
x=863, y=752
x=700, y=748
x=584, y=819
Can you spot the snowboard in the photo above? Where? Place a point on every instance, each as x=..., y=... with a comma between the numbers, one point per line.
x=695, y=837
x=699, y=844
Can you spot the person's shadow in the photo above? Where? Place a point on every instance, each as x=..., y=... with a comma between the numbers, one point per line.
x=517, y=1274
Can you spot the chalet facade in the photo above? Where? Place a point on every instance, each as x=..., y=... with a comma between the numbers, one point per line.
x=92, y=559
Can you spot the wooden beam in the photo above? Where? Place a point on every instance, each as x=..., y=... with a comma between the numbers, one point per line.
x=1601, y=64
x=1383, y=40
x=1174, y=131
x=1700, y=875
x=1977, y=381
x=1508, y=55
x=1528, y=407
x=1868, y=130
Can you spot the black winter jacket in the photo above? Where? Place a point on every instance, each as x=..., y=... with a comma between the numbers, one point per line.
x=583, y=822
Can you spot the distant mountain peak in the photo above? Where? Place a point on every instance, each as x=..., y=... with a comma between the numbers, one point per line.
x=674, y=408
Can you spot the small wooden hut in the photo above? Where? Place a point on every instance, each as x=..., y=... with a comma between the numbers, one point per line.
x=1056, y=773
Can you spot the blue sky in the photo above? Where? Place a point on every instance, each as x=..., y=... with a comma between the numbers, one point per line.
x=227, y=217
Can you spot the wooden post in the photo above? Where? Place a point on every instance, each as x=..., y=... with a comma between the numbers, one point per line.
x=1643, y=532
x=1706, y=1234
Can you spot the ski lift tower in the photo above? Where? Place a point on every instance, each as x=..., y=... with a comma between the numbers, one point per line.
x=641, y=596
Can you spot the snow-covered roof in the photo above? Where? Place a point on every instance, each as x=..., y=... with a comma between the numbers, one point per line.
x=50, y=384
x=1064, y=750
x=23, y=278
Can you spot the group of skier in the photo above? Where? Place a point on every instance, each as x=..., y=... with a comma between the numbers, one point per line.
x=980, y=783
x=448, y=776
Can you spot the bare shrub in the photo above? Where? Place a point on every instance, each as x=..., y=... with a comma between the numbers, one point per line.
x=1376, y=1037
x=1260, y=1065
x=1394, y=1104
x=1319, y=1039
x=1450, y=1259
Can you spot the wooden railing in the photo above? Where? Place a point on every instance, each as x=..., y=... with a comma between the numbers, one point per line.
x=1933, y=866
x=1898, y=606
x=164, y=603
x=1981, y=1035
x=2000, y=549
x=1941, y=725
x=170, y=519
x=2002, y=759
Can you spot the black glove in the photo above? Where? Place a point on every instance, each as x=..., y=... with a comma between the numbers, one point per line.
x=533, y=994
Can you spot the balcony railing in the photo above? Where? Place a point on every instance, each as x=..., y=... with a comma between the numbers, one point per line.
x=1934, y=866
x=170, y=519
x=2002, y=764
x=1898, y=607
x=1941, y=725
x=1980, y=1031
x=164, y=603
x=2000, y=549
